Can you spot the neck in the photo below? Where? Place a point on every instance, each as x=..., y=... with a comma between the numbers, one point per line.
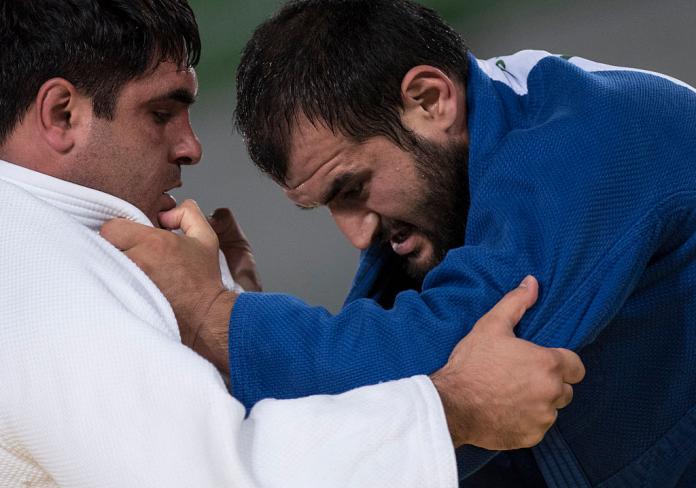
x=90, y=207
x=27, y=148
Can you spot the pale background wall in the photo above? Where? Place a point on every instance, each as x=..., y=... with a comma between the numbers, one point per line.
x=301, y=252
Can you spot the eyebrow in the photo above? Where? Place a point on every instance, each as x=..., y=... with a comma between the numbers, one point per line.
x=337, y=186
x=180, y=95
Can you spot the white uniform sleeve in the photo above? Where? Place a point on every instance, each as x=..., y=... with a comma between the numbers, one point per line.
x=109, y=401
x=97, y=391
x=393, y=434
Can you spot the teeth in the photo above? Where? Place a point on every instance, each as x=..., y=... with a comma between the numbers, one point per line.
x=395, y=246
x=398, y=240
x=399, y=237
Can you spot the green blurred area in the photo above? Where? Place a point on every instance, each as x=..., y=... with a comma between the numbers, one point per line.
x=226, y=25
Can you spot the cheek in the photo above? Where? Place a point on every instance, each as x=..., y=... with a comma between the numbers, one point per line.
x=394, y=201
x=153, y=142
x=398, y=186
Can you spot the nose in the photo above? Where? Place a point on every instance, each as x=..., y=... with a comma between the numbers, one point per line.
x=358, y=225
x=188, y=148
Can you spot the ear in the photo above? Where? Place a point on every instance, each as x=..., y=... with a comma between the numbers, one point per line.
x=434, y=105
x=62, y=114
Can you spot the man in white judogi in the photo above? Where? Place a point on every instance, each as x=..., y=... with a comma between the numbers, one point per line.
x=97, y=389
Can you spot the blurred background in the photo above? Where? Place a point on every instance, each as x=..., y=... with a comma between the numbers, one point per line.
x=302, y=253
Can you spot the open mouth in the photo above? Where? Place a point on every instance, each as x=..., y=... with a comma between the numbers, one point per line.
x=404, y=242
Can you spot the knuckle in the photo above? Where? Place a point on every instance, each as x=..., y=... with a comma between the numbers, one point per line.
x=492, y=316
x=550, y=418
x=557, y=356
x=554, y=360
x=105, y=229
x=531, y=440
x=554, y=391
x=190, y=204
x=500, y=316
x=573, y=356
x=580, y=368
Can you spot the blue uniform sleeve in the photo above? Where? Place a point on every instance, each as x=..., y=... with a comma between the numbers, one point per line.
x=581, y=194
x=280, y=347
x=578, y=195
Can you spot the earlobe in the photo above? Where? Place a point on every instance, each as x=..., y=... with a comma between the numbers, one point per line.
x=56, y=105
x=431, y=101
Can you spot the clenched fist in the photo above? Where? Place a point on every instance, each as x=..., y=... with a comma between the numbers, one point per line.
x=500, y=392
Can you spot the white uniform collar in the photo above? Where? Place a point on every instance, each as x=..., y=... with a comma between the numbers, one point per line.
x=90, y=207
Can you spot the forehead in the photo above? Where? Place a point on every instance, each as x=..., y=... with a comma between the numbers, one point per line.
x=166, y=77
x=313, y=147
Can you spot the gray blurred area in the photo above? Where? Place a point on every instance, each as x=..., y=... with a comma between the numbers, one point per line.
x=301, y=252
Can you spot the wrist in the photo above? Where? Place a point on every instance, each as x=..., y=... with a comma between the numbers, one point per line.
x=456, y=407
x=211, y=340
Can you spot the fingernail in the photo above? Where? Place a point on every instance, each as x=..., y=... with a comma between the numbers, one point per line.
x=526, y=281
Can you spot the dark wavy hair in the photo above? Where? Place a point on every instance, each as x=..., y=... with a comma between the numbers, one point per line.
x=98, y=45
x=340, y=63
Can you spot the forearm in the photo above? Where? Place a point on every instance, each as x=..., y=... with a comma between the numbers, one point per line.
x=282, y=348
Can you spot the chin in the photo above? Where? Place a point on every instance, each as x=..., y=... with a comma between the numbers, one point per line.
x=152, y=216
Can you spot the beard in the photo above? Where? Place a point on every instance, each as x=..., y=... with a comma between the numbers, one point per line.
x=443, y=203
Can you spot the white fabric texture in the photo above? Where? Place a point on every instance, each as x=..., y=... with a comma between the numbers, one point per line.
x=514, y=70
x=98, y=391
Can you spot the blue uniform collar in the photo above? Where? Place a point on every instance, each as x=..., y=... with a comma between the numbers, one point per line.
x=489, y=106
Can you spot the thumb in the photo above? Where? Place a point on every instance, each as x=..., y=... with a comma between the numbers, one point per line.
x=507, y=313
x=190, y=219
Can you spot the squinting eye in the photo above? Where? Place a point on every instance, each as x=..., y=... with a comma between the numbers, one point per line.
x=354, y=192
x=161, y=117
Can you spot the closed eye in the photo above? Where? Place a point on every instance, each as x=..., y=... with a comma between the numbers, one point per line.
x=354, y=193
x=161, y=117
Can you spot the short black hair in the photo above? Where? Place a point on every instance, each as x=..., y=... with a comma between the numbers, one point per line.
x=339, y=63
x=98, y=45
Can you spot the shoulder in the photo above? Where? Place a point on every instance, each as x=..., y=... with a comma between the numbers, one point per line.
x=518, y=71
x=42, y=244
x=68, y=270
x=647, y=77
x=585, y=104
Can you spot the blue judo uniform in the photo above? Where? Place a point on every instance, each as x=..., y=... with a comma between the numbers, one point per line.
x=583, y=175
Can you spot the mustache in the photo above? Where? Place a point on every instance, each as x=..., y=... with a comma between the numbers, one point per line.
x=397, y=230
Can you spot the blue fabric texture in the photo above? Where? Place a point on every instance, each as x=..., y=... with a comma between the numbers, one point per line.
x=588, y=182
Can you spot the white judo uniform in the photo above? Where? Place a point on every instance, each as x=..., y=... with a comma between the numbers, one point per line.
x=96, y=389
